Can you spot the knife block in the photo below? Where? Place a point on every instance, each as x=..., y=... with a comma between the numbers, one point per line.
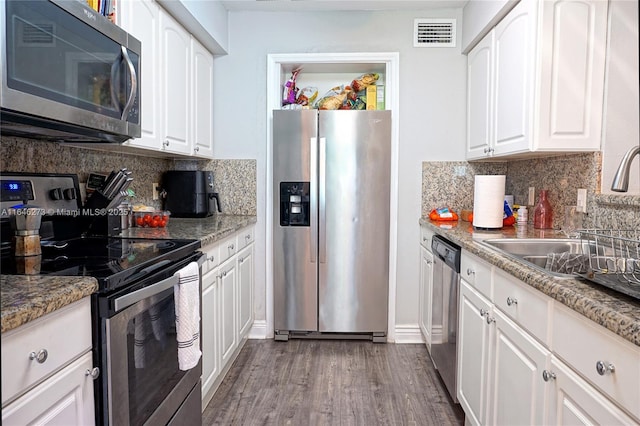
x=98, y=219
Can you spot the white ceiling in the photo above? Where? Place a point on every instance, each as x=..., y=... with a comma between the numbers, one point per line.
x=332, y=5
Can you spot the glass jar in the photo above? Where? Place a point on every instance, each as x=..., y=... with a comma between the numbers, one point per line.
x=543, y=214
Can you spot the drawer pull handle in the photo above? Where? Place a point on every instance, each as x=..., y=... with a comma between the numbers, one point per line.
x=483, y=312
x=211, y=258
x=603, y=368
x=40, y=357
x=490, y=320
x=470, y=272
x=548, y=375
x=247, y=237
x=231, y=246
x=94, y=373
x=512, y=301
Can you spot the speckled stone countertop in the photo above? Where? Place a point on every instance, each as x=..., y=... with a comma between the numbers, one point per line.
x=616, y=312
x=208, y=230
x=27, y=297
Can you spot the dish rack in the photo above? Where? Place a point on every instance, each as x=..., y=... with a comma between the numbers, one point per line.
x=614, y=259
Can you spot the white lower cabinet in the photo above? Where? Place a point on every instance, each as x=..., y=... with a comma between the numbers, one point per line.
x=227, y=306
x=47, y=369
x=524, y=359
x=425, y=315
x=574, y=402
x=64, y=399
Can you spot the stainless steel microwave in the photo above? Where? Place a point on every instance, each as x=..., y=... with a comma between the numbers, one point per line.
x=68, y=74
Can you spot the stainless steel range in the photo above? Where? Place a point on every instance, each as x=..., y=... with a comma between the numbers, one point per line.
x=133, y=312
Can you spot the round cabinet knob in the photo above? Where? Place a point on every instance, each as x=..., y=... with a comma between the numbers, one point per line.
x=512, y=301
x=490, y=319
x=166, y=143
x=429, y=262
x=231, y=247
x=470, y=272
x=211, y=258
x=548, y=375
x=603, y=368
x=40, y=357
x=483, y=312
x=94, y=373
x=196, y=149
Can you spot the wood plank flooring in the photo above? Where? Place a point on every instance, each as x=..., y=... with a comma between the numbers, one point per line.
x=332, y=382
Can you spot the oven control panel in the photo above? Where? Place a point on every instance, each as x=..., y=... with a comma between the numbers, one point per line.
x=55, y=194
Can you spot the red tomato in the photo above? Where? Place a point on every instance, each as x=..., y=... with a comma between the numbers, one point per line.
x=157, y=217
x=165, y=217
x=155, y=223
x=163, y=223
x=139, y=221
x=147, y=219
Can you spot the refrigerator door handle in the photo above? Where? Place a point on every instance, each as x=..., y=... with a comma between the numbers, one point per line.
x=313, y=148
x=322, y=227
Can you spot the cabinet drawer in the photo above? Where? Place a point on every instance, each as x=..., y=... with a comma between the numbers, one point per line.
x=227, y=248
x=246, y=237
x=528, y=307
x=64, y=334
x=426, y=235
x=476, y=272
x=211, y=251
x=583, y=344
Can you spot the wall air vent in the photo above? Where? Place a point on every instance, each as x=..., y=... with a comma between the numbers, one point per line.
x=37, y=35
x=434, y=33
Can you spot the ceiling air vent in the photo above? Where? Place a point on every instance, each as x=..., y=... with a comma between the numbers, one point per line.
x=434, y=33
x=37, y=35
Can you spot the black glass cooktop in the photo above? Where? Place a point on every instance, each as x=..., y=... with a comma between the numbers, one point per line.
x=114, y=262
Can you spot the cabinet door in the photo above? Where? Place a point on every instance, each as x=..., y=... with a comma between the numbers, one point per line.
x=473, y=353
x=514, y=57
x=245, y=290
x=202, y=105
x=426, y=281
x=479, y=98
x=518, y=393
x=573, y=41
x=176, y=84
x=64, y=399
x=574, y=402
x=228, y=311
x=141, y=19
x=210, y=327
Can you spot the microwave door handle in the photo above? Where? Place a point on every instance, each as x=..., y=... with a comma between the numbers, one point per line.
x=134, y=83
x=113, y=85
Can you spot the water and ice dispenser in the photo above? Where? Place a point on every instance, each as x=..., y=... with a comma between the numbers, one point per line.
x=294, y=204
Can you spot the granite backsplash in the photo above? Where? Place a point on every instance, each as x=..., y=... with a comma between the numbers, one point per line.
x=234, y=180
x=451, y=183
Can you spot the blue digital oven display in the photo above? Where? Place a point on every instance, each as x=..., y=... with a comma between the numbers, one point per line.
x=15, y=190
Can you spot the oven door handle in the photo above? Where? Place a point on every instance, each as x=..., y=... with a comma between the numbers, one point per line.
x=144, y=293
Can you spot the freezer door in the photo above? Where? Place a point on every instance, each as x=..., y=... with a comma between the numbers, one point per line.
x=295, y=241
x=353, y=195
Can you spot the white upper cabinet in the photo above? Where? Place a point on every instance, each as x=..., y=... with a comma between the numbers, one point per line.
x=536, y=81
x=176, y=84
x=202, y=100
x=141, y=20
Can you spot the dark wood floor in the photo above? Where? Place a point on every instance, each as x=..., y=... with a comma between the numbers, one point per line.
x=331, y=382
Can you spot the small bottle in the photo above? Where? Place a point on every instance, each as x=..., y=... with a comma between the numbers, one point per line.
x=543, y=214
x=523, y=215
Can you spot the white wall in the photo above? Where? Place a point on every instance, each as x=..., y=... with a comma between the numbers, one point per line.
x=621, y=102
x=432, y=105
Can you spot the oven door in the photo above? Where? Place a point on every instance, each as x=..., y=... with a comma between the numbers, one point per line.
x=144, y=383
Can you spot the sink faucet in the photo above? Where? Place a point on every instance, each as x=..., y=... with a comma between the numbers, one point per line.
x=621, y=179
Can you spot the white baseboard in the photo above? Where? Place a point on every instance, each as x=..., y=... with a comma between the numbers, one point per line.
x=408, y=333
x=259, y=330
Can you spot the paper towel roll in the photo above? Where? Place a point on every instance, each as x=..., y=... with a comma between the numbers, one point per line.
x=488, y=201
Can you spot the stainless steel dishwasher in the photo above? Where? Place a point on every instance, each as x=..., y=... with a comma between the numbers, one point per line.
x=444, y=309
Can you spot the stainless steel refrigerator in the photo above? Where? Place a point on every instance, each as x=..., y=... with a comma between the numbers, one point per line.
x=331, y=186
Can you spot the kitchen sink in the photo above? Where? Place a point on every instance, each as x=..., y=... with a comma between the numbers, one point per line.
x=558, y=257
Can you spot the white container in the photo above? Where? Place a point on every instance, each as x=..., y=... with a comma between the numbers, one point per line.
x=523, y=215
x=488, y=201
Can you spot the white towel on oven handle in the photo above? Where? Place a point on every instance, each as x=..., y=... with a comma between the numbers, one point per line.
x=187, y=300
